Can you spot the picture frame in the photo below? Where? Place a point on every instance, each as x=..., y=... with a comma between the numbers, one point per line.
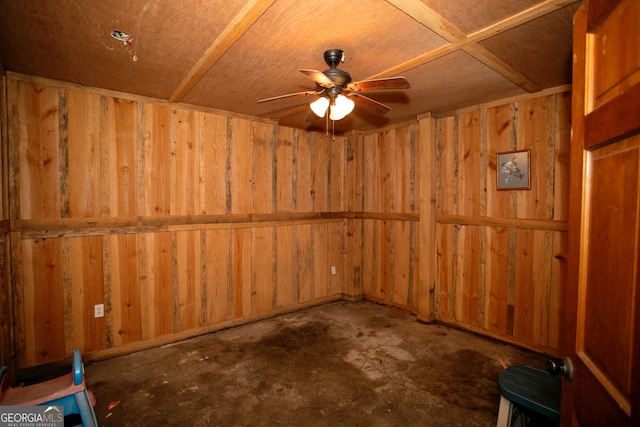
x=513, y=170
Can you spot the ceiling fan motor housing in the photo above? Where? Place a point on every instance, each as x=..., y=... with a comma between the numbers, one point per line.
x=333, y=57
x=340, y=78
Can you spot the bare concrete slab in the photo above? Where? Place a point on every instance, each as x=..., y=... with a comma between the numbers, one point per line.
x=340, y=364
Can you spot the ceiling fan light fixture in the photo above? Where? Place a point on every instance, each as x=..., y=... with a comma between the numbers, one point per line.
x=341, y=107
x=320, y=106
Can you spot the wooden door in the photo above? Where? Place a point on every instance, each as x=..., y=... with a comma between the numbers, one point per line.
x=602, y=335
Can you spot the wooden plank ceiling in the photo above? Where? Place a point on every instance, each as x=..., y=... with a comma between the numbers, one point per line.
x=228, y=54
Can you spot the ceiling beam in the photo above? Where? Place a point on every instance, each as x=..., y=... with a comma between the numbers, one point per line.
x=251, y=11
x=457, y=40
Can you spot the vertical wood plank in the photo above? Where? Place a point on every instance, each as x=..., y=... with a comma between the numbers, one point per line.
x=241, y=273
x=336, y=187
x=385, y=260
x=525, y=291
x=7, y=316
x=532, y=133
x=320, y=261
x=542, y=279
x=354, y=174
x=401, y=262
x=262, y=269
x=414, y=272
x=335, y=257
x=157, y=155
x=156, y=278
x=125, y=291
x=497, y=280
x=386, y=150
x=43, y=301
x=213, y=140
x=444, y=273
x=354, y=191
x=304, y=160
x=287, y=294
x=562, y=154
x=186, y=174
x=467, y=275
x=320, y=172
x=38, y=112
x=401, y=173
x=428, y=284
x=217, y=275
x=405, y=170
x=417, y=149
x=445, y=165
x=499, y=136
x=262, y=164
x=87, y=290
x=305, y=266
x=241, y=164
x=370, y=259
x=189, y=277
x=371, y=173
x=556, y=291
x=13, y=141
x=118, y=130
x=469, y=158
x=285, y=169
x=84, y=154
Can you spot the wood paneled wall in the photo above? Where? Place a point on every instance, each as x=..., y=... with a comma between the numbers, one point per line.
x=501, y=255
x=387, y=199
x=6, y=327
x=183, y=221
x=180, y=221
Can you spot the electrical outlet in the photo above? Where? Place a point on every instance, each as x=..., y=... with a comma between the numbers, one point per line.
x=333, y=270
x=98, y=310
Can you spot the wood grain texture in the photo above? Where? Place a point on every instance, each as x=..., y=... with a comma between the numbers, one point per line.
x=43, y=301
x=191, y=219
x=84, y=154
x=39, y=123
x=285, y=169
x=156, y=124
x=500, y=265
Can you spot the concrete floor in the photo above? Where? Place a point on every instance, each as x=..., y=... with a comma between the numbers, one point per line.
x=340, y=364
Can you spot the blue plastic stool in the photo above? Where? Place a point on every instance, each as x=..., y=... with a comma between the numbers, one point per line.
x=69, y=391
x=525, y=390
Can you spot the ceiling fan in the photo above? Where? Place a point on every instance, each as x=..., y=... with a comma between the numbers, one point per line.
x=335, y=88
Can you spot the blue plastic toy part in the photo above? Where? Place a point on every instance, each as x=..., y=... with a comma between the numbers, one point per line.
x=77, y=367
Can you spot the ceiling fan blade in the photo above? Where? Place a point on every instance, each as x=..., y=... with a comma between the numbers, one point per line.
x=319, y=77
x=369, y=104
x=289, y=95
x=379, y=84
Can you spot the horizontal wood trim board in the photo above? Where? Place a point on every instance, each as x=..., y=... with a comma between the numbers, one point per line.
x=36, y=228
x=385, y=216
x=87, y=227
x=529, y=224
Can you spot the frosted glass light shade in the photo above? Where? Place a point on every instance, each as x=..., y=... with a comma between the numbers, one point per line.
x=319, y=106
x=341, y=108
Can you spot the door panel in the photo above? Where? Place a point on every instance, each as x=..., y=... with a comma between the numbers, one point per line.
x=602, y=324
x=609, y=281
x=612, y=73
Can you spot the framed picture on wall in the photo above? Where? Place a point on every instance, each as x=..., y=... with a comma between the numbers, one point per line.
x=514, y=170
